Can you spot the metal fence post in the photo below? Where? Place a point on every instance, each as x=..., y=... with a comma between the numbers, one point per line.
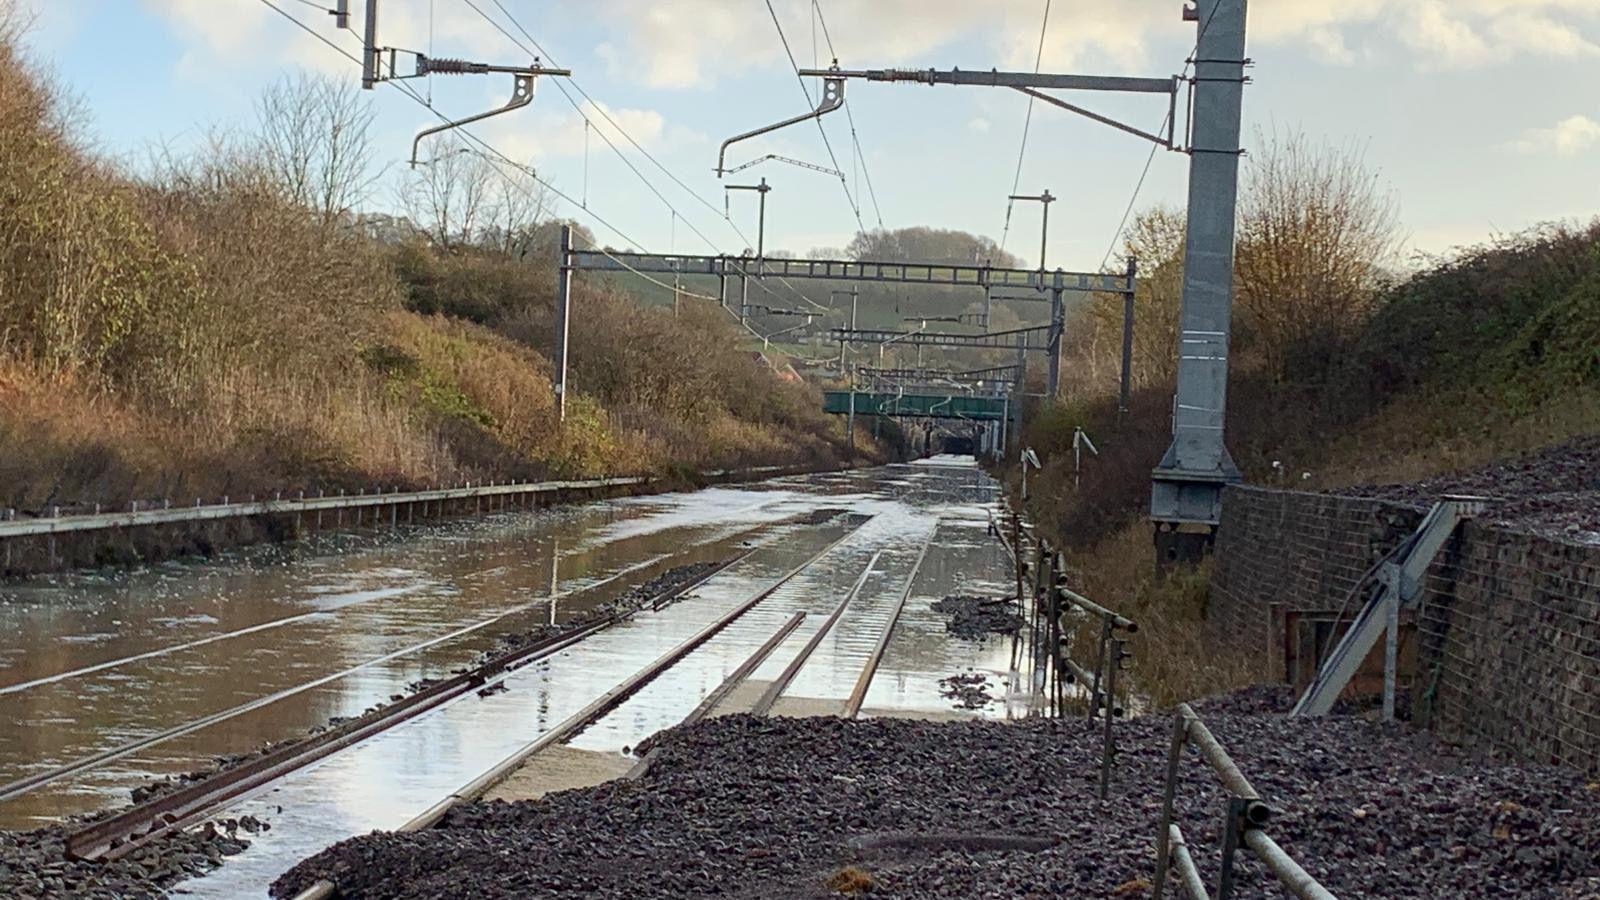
x=1391, y=648
x=1109, y=749
x=1058, y=695
x=1100, y=667
x=1231, y=827
x=1180, y=737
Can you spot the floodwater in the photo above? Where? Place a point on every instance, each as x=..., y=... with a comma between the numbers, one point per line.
x=272, y=643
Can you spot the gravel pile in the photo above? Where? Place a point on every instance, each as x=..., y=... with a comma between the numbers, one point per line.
x=34, y=864
x=821, y=516
x=1556, y=490
x=975, y=618
x=969, y=690
x=755, y=807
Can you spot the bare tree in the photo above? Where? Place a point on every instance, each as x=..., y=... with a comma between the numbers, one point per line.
x=1318, y=235
x=518, y=206
x=1155, y=238
x=449, y=194
x=316, y=141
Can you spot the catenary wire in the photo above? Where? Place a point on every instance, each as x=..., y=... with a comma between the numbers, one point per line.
x=409, y=92
x=849, y=198
x=595, y=105
x=849, y=117
x=1027, y=123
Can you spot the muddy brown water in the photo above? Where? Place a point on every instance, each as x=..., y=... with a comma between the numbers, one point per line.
x=91, y=662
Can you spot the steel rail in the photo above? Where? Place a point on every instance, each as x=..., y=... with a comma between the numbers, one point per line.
x=1188, y=873
x=1297, y=880
x=1086, y=679
x=579, y=720
x=611, y=699
x=1211, y=750
x=721, y=692
x=859, y=694
x=776, y=689
x=1090, y=606
x=32, y=782
x=116, y=836
x=1245, y=818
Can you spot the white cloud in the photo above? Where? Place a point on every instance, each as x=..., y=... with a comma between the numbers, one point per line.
x=1328, y=46
x=1442, y=37
x=695, y=43
x=1542, y=35
x=979, y=124
x=1568, y=137
x=564, y=135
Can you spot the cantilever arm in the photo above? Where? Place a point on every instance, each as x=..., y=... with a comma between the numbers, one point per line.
x=521, y=95
x=832, y=99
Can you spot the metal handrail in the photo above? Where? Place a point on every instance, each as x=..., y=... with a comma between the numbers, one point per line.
x=1110, y=657
x=1246, y=815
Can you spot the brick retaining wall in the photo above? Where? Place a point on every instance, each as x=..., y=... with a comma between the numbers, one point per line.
x=1507, y=633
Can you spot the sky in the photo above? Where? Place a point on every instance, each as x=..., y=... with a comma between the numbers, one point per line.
x=1482, y=116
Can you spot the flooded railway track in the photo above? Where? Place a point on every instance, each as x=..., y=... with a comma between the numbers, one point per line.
x=838, y=584
x=121, y=834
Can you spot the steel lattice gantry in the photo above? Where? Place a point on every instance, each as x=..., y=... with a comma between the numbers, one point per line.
x=985, y=408
x=978, y=276
x=1014, y=283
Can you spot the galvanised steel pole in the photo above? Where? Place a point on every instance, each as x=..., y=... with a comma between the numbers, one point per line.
x=761, y=221
x=1057, y=324
x=1127, y=341
x=563, y=320
x=1187, y=485
x=369, y=50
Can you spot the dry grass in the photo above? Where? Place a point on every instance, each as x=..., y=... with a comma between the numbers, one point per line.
x=1409, y=440
x=201, y=331
x=850, y=880
x=1175, y=658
